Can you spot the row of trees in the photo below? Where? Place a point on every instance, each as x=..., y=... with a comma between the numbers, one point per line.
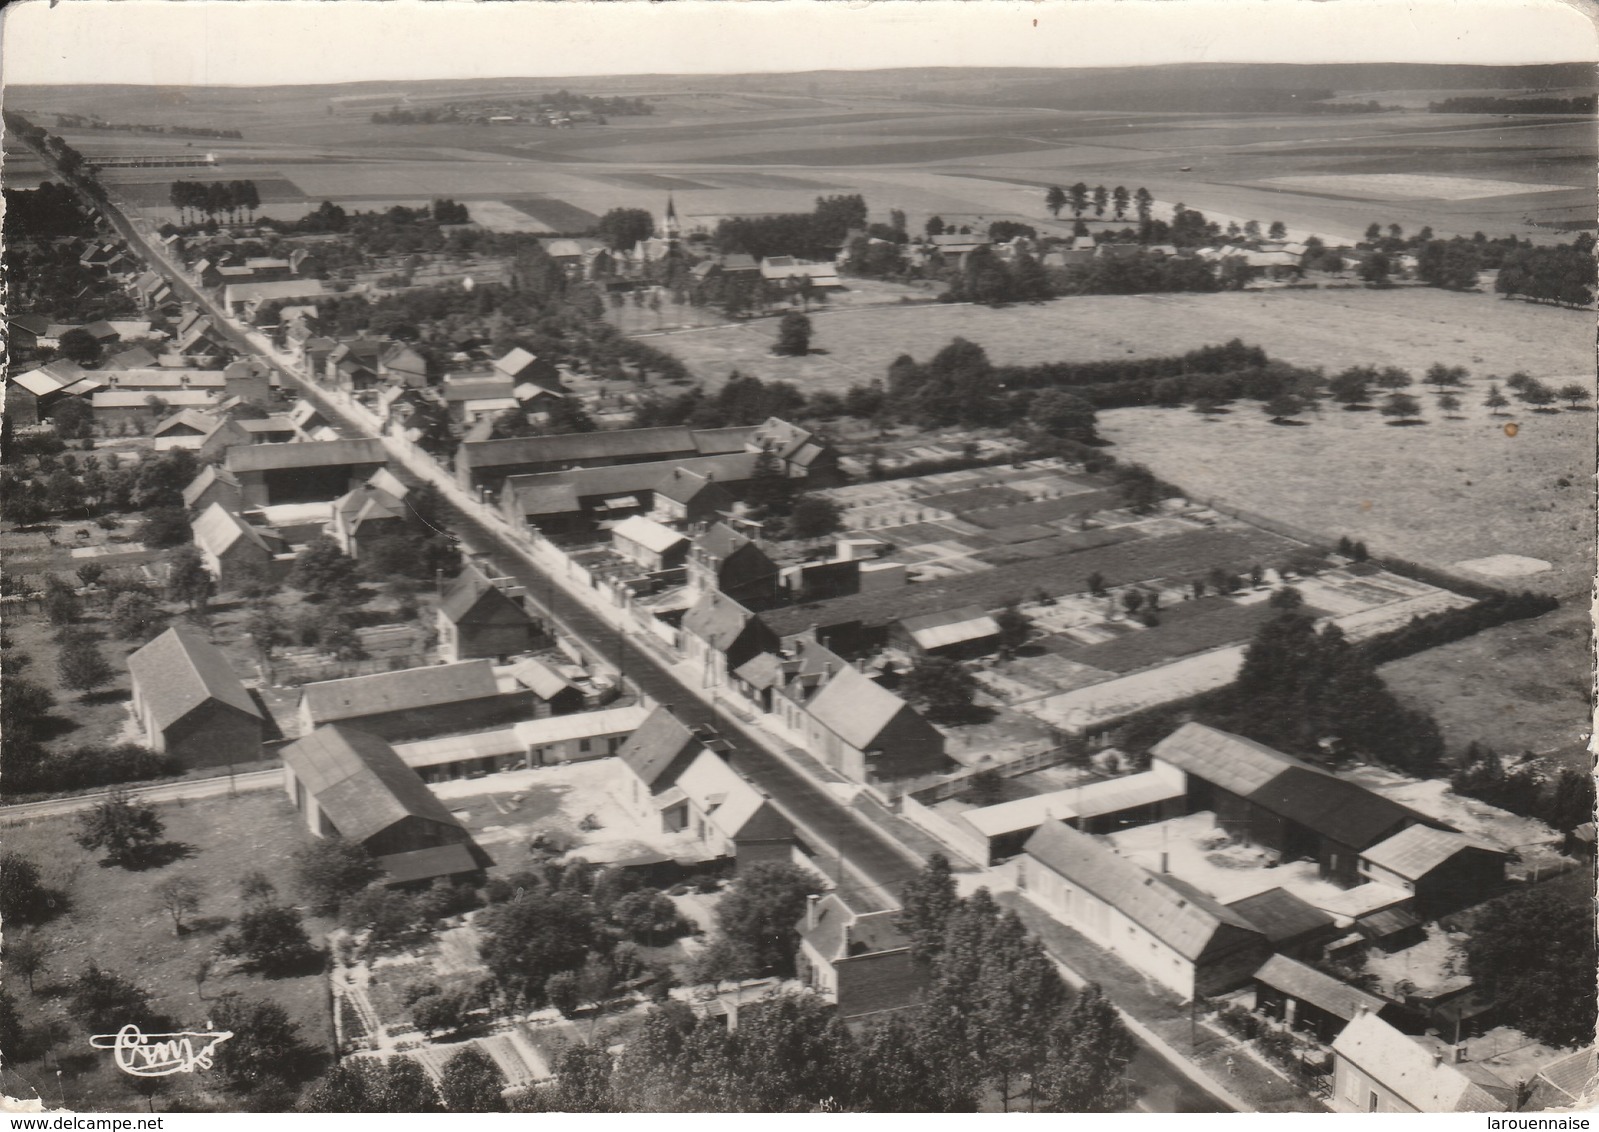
x=1562, y=274
x=817, y=234
x=1563, y=803
x=1080, y=197
x=194, y=199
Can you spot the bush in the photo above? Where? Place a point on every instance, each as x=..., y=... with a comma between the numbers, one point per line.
x=1242, y=1022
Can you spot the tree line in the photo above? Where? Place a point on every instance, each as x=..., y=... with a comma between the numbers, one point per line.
x=817, y=234
x=194, y=199
x=1562, y=274
x=1488, y=104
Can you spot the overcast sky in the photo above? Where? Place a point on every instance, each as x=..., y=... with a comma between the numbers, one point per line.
x=254, y=42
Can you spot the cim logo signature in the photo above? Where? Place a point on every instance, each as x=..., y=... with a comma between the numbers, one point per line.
x=160, y=1055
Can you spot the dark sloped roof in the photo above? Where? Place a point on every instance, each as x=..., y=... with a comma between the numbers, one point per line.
x=360, y=783
x=855, y=707
x=358, y=696
x=179, y=671
x=210, y=474
x=1342, y=811
x=1310, y=985
x=681, y=486
x=562, y=447
x=469, y=593
x=310, y=454
x=1180, y=916
x=429, y=864
x=1281, y=914
x=660, y=749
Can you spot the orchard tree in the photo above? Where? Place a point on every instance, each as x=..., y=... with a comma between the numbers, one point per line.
x=1402, y=407
x=942, y=689
x=126, y=830
x=1495, y=401
x=1575, y=395
x=135, y=616
x=178, y=896
x=81, y=666
x=188, y=580
x=331, y=869
x=1448, y=403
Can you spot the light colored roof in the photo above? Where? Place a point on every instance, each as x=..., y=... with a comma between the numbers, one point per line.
x=360, y=783
x=582, y=724
x=1569, y=1081
x=539, y=678
x=288, y=289
x=652, y=536
x=1229, y=761
x=1107, y=797
x=951, y=627
x=216, y=529
x=1414, y=852
x=681, y=485
x=179, y=671
x=1184, y=919
x=1310, y=985
x=840, y=931
x=201, y=422
x=717, y=620
x=409, y=688
x=457, y=748
x=163, y=379
x=854, y=707
x=310, y=454
x=1409, y=1070
x=554, y=493
x=140, y=398
x=728, y=800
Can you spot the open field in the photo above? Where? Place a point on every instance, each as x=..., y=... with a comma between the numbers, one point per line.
x=1439, y=493
x=1520, y=687
x=903, y=145
x=1409, y=327
x=113, y=920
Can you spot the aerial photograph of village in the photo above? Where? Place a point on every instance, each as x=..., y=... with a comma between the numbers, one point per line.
x=842, y=571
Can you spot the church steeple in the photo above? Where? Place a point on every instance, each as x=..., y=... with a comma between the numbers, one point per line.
x=669, y=228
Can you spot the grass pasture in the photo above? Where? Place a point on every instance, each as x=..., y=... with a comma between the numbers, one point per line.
x=113, y=920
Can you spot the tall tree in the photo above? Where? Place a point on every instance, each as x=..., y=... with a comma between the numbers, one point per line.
x=762, y=911
x=471, y=1082
x=1088, y=1051
x=1055, y=200
x=925, y=907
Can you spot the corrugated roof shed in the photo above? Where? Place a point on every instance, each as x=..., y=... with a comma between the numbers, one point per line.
x=1310, y=985
x=1185, y=920
x=855, y=707
x=1413, y=853
x=409, y=688
x=310, y=454
x=179, y=671
x=659, y=750
x=360, y=783
x=950, y=627
x=1230, y=761
x=1407, y=1068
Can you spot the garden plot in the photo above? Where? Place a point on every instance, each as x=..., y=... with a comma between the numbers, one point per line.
x=1083, y=709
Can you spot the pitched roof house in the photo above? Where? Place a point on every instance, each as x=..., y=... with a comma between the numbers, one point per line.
x=655, y=755
x=859, y=960
x=353, y=785
x=478, y=619
x=1310, y=1000
x=214, y=484
x=865, y=732
x=719, y=635
x=234, y=551
x=189, y=704
x=726, y=813
x=1168, y=930
x=1376, y=1068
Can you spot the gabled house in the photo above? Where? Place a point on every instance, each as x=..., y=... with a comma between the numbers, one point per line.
x=524, y=366
x=187, y=428
x=250, y=379
x=1166, y=929
x=955, y=634
x=684, y=498
x=353, y=785
x=403, y=365
x=859, y=960
x=867, y=733
x=726, y=813
x=236, y=431
x=189, y=705
x=553, y=693
x=213, y=485
x=719, y=635
x=1443, y=871
x=724, y=561
x=235, y=551
x=1377, y=1068
x=366, y=514
x=478, y=619
x=654, y=757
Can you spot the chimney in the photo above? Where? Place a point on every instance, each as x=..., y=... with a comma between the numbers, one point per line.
x=1163, y=865
x=810, y=911
x=1437, y=1058
x=1459, y=1053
